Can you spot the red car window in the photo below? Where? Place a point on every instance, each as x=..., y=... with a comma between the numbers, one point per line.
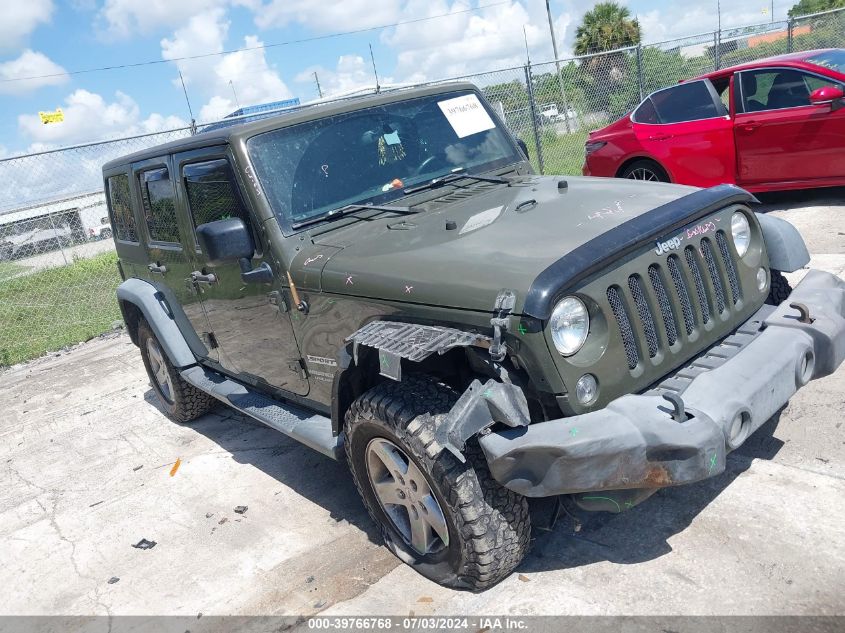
x=691, y=101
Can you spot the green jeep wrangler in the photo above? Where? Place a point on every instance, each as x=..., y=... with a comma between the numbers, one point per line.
x=386, y=277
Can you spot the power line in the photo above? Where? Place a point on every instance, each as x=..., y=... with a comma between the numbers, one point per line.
x=255, y=48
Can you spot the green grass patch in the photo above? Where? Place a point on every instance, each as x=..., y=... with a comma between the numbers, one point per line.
x=55, y=307
x=8, y=269
x=563, y=154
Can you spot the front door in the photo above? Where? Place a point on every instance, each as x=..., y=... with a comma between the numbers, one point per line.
x=780, y=135
x=249, y=324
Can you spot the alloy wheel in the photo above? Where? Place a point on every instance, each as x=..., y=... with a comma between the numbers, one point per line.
x=643, y=173
x=406, y=497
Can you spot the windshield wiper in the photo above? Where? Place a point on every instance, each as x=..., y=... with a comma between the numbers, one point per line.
x=350, y=208
x=456, y=174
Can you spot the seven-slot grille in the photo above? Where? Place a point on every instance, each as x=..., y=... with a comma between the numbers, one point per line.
x=686, y=291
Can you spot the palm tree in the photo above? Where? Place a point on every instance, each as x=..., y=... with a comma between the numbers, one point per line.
x=606, y=27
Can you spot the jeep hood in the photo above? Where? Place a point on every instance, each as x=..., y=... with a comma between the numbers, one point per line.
x=503, y=238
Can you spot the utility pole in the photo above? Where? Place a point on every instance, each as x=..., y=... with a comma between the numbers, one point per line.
x=557, y=68
x=319, y=90
x=375, y=72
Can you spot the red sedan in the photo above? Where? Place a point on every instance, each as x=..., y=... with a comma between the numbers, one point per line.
x=776, y=123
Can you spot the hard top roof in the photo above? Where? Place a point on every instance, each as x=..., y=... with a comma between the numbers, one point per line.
x=237, y=131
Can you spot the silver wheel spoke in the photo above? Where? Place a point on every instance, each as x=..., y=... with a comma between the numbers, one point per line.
x=391, y=459
x=420, y=531
x=434, y=517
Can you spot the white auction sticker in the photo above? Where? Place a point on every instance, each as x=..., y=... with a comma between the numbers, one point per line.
x=480, y=220
x=466, y=115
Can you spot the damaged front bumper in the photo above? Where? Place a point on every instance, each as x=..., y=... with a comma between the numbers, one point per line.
x=640, y=443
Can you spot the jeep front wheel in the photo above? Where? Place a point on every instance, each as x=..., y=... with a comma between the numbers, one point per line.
x=181, y=401
x=450, y=521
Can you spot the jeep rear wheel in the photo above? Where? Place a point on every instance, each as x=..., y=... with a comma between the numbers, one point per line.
x=450, y=521
x=181, y=401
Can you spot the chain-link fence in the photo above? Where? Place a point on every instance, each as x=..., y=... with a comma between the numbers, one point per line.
x=57, y=260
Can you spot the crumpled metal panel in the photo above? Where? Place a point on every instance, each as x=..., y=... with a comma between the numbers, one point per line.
x=411, y=341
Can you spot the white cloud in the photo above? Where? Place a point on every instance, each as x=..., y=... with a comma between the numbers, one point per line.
x=326, y=15
x=89, y=117
x=29, y=64
x=468, y=42
x=203, y=33
x=253, y=79
x=20, y=18
x=122, y=18
x=682, y=19
x=351, y=73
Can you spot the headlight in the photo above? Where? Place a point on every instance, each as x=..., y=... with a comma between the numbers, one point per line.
x=570, y=325
x=741, y=232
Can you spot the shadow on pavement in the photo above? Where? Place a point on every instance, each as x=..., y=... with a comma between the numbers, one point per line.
x=305, y=471
x=641, y=534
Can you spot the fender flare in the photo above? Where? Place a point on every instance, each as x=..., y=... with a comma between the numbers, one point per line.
x=152, y=304
x=784, y=244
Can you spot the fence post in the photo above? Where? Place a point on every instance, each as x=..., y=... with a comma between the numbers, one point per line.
x=640, y=70
x=790, y=28
x=717, y=44
x=58, y=239
x=529, y=82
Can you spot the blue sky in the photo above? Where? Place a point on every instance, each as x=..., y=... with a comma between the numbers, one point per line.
x=40, y=37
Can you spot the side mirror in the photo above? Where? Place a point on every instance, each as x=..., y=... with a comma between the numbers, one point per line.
x=828, y=94
x=523, y=147
x=227, y=241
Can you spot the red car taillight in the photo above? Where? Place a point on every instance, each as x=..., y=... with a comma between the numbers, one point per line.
x=592, y=146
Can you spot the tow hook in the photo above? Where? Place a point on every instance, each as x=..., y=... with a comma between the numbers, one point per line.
x=679, y=414
x=804, y=311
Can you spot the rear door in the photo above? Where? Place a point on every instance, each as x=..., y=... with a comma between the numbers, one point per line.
x=249, y=322
x=780, y=135
x=688, y=130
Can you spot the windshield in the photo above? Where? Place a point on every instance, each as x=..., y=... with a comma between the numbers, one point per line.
x=833, y=59
x=370, y=156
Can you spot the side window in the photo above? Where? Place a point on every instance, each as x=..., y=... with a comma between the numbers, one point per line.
x=120, y=208
x=646, y=113
x=691, y=101
x=159, y=205
x=211, y=191
x=779, y=88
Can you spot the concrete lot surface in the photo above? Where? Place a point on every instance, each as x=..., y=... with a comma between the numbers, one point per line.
x=88, y=471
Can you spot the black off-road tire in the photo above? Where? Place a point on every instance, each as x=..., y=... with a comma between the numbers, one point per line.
x=489, y=526
x=779, y=289
x=186, y=403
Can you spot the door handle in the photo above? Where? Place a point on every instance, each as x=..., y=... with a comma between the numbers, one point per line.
x=199, y=278
x=157, y=268
x=749, y=126
x=660, y=137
